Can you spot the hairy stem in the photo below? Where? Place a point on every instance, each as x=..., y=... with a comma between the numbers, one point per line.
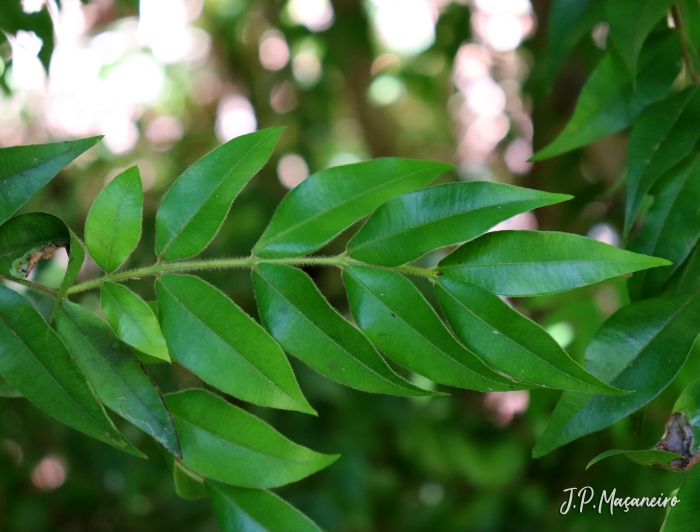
x=338, y=261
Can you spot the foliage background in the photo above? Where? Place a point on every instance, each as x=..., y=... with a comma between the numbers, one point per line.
x=407, y=465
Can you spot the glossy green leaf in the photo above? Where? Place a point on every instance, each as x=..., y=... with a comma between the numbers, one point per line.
x=631, y=22
x=6, y=390
x=661, y=137
x=529, y=263
x=407, y=227
x=27, y=238
x=231, y=351
x=330, y=201
x=646, y=457
x=399, y=321
x=671, y=228
x=609, y=102
x=36, y=363
x=641, y=348
x=569, y=21
x=251, y=510
x=116, y=374
x=133, y=320
x=113, y=225
x=685, y=514
x=226, y=443
x=302, y=321
x=510, y=342
x=25, y=169
x=197, y=204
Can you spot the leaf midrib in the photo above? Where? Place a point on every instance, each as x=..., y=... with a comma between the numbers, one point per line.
x=208, y=197
x=333, y=341
x=436, y=221
x=217, y=335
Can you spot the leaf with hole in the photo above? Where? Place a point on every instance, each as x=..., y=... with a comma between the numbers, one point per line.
x=223, y=442
x=305, y=325
x=241, y=358
x=330, y=201
x=116, y=374
x=197, y=204
x=113, y=225
x=399, y=321
x=409, y=226
x=530, y=263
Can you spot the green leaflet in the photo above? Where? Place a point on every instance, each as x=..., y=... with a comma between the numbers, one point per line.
x=188, y=484
x=225, y=443
x=133, y=320
x=243, y=509
x=116, y=374
x=197, y=204
x=113, y=226
x=241, y=359
x=407, y=227
x=631, y=21
x=647, y=457
x=529, y=263
x=641, y=347
x=661, y=137
x=569, y=21
x=671, y=228
x=399, y=321
x=27, y=238
x=6, y=390
x=330, y=201
x=35, y=362
x=510, y=342
x=305, y=325
x=609, y=102
x=684, y=516
x=25, y=169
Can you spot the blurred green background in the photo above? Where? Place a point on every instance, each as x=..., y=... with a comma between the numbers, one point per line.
x=167, y=81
